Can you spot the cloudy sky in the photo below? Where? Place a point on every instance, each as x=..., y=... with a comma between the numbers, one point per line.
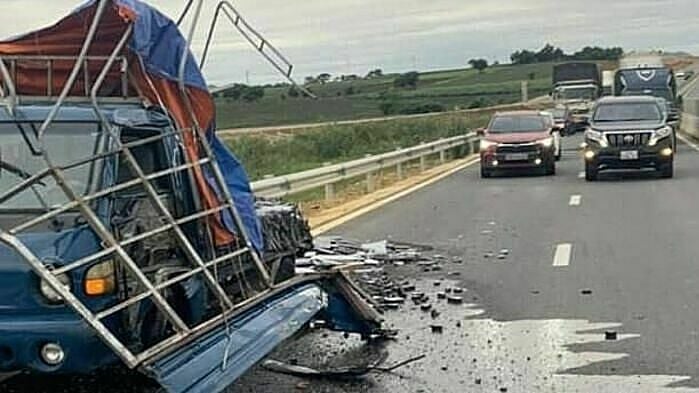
x=353, y=36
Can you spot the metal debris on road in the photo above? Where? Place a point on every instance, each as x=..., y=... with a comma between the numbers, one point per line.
x=368, y=261
x=437, y=329
x=610, y=335
x=586, y=291
x=338, y=372
x=455, y=300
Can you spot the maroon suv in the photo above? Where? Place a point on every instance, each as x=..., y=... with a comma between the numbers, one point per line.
x=518, y=140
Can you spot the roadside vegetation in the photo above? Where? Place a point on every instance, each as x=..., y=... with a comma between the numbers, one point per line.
x=264, y=154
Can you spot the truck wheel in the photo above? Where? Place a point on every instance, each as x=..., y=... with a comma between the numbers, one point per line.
x=591, y=172
x=667, y=171
x=551, y=168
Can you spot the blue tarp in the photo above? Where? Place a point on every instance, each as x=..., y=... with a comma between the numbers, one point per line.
x=160, y=45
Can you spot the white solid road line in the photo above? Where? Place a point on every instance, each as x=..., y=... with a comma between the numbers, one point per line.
x=575, y=200
x=688, y=142
x=562, y=256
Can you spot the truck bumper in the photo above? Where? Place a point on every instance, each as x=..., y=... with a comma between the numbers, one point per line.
x=21, y=340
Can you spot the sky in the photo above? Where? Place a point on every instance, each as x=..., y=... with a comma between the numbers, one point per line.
x=355, y=36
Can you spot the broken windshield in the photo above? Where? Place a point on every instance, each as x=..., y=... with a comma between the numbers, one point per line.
x=64, y=143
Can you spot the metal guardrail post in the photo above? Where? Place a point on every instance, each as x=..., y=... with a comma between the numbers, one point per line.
x=330, y=187
x=370, y=182
x=423, y=164
x=442, y=156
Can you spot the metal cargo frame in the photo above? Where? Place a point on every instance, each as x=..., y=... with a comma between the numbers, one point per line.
x=201, y=264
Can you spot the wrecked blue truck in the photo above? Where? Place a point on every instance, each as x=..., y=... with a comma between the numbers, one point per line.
x=129, y=233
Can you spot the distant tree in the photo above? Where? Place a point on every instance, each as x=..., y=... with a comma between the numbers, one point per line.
x=478, y=64
x=324, y=78
x=253, y=94
x=310, y=79
x=377, y=73
x=407, y=80
x=549, y=53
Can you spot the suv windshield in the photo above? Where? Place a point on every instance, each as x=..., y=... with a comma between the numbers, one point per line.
x=64, y=143
x=559, y=113
x=510, y=124
x=628, y=112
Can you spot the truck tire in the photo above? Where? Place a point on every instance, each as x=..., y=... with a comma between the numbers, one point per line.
x=551, y=168
x=667, y=171
x=591, y=172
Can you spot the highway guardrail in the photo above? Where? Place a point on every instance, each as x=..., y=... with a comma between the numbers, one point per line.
x=369, y=166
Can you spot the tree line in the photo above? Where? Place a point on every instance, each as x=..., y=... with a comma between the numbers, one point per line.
x=550, y=53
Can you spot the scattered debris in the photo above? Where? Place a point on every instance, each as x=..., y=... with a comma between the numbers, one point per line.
x=339, y=372
x=504, y=251
x=426, y=307
x=434, y=314
x=586, y=291
x=441, y=295
x=437, y=329
x=610, y=335
x=455, y=300
x=458, y=290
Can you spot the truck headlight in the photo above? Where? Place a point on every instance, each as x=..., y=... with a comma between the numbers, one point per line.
x=548, y=142
x=596, y=136
x=48, y=292
x=659, y=134
x=100, y=279
x=485, y=144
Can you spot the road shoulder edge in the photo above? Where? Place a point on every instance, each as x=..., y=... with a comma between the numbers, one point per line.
x=387, y=198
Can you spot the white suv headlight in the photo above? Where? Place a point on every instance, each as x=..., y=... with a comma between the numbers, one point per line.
x=485, y=144
x=597, y=137
x=548, y=142
x=659, y=134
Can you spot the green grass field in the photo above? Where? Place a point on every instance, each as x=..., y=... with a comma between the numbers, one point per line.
x=451, y=89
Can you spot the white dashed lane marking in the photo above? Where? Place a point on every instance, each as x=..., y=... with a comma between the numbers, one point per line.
x=563, y=254
x=575, y=200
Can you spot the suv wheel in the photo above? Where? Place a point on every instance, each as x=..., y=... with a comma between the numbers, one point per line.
x=485, y=173
x=667, y=171
x=591, y=172
x=551, y=169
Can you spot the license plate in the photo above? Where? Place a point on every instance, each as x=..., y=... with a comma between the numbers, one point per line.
x=516, y=157
x=629, y=155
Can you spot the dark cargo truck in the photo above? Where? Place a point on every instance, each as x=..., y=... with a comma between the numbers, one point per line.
x=577, y=85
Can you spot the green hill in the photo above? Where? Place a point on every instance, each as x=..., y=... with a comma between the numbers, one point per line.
x=376, y=97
